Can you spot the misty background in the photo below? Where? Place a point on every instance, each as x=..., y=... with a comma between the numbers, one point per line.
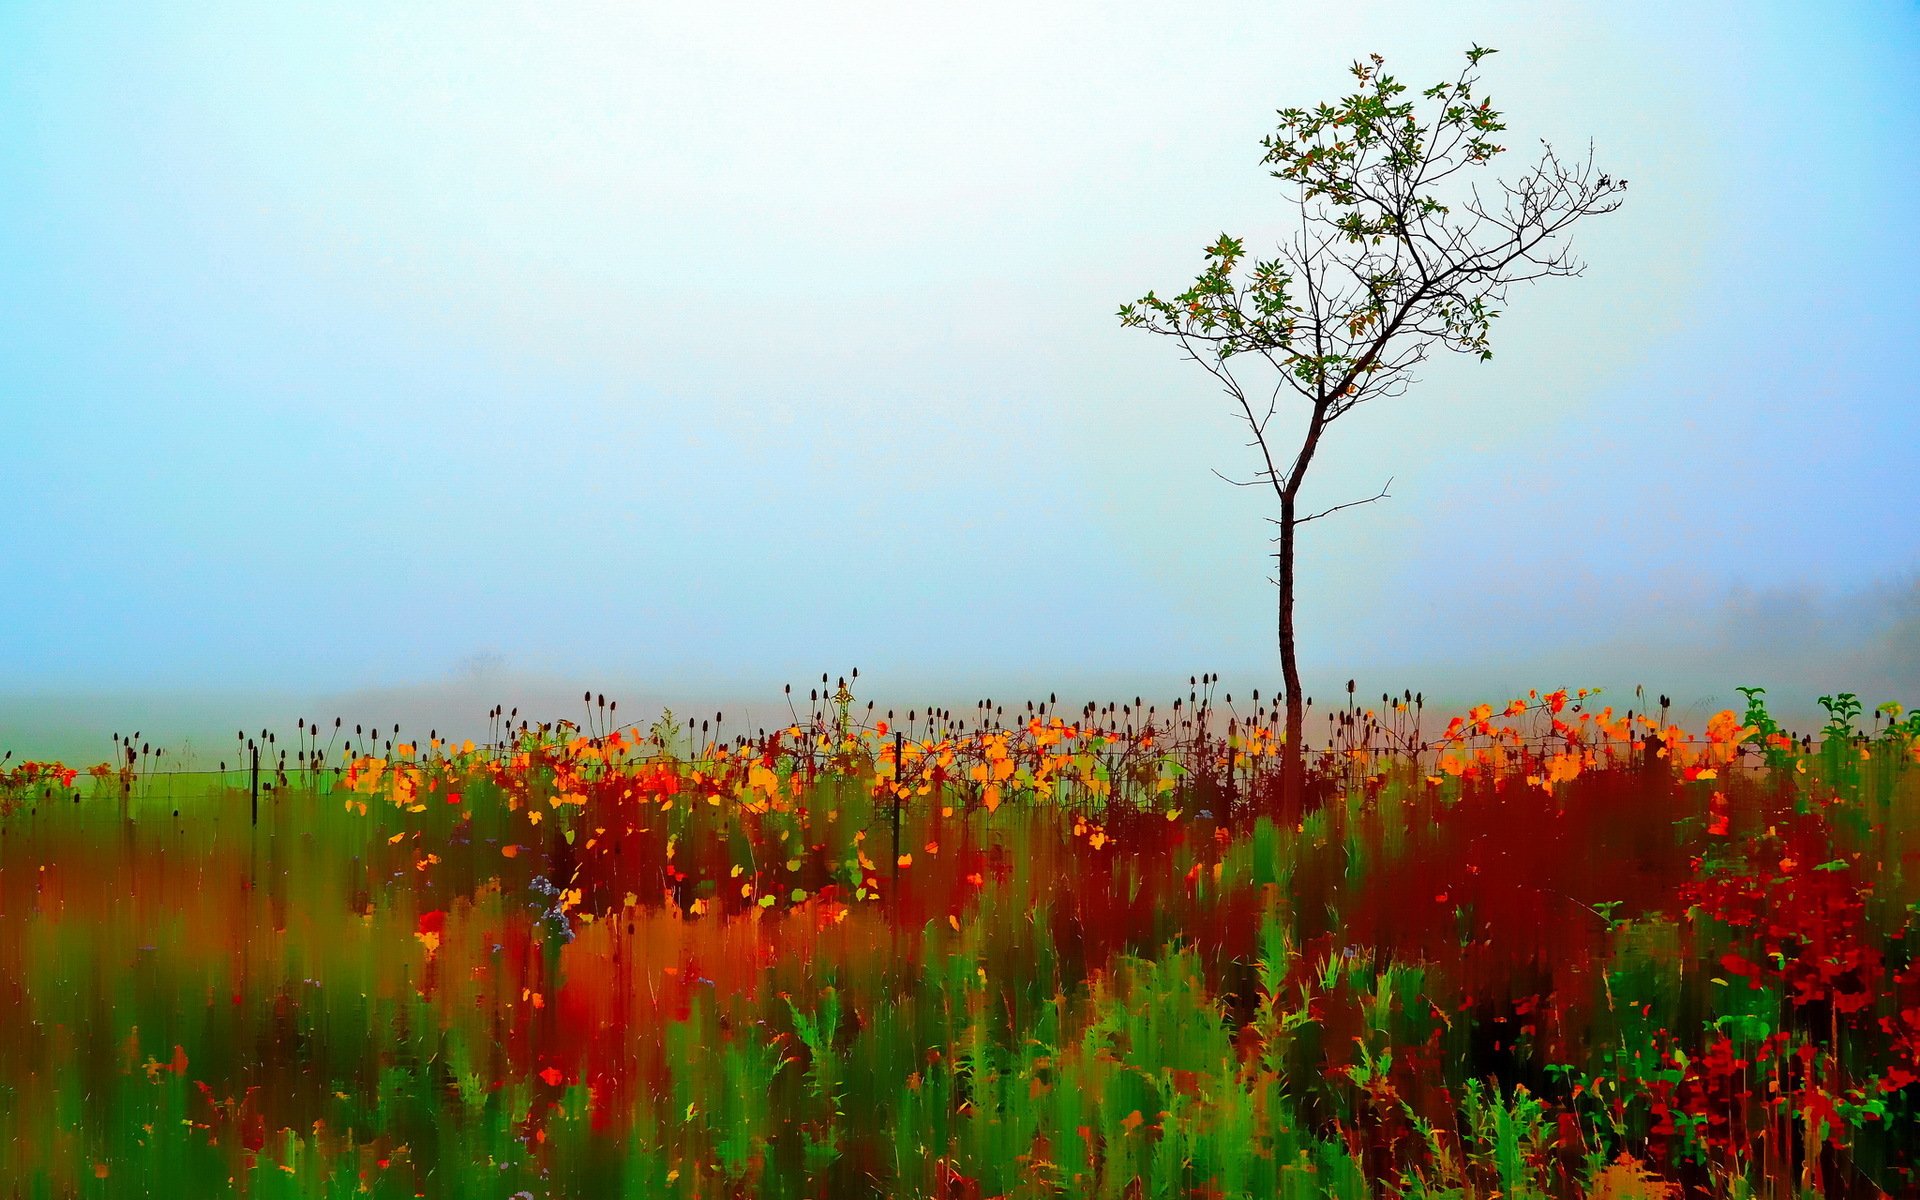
x=391, y=363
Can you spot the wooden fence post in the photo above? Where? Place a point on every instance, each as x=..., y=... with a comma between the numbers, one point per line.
x=899, y=779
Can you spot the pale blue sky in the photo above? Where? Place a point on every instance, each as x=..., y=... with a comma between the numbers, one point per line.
x=709, y=346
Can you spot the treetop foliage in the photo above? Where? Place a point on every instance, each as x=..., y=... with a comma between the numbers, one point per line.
x=1398, y=249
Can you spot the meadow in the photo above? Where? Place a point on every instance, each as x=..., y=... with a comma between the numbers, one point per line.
x=1540, y=949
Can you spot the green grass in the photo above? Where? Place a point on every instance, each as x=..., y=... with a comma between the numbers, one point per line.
x=685, y=981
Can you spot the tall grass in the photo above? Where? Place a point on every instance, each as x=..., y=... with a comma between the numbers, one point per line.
x=1550, y=951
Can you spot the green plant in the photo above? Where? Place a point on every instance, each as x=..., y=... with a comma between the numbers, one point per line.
x=1842, y=710
x=1510, y=1136
x=1767, y=733
x=1908, y=729
x=816, y=1033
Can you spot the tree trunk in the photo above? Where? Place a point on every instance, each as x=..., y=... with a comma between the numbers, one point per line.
x=1293, y=759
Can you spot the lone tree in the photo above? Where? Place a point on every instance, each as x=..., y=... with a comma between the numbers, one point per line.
x=1398, y=251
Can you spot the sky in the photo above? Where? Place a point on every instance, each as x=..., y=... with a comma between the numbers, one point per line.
x=395, y=356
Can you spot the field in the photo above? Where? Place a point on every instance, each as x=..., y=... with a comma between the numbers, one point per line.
x=1541, y=949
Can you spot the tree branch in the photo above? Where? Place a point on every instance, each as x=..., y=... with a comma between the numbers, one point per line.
x=1382, y=495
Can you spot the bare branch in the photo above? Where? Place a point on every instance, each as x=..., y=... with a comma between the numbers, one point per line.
x=1381, y=495
x=1238, y=482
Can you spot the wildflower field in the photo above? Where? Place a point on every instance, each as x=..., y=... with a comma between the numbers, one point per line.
x=1545, y=949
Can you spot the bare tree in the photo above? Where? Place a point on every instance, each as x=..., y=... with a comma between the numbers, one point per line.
x=1398, y=251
